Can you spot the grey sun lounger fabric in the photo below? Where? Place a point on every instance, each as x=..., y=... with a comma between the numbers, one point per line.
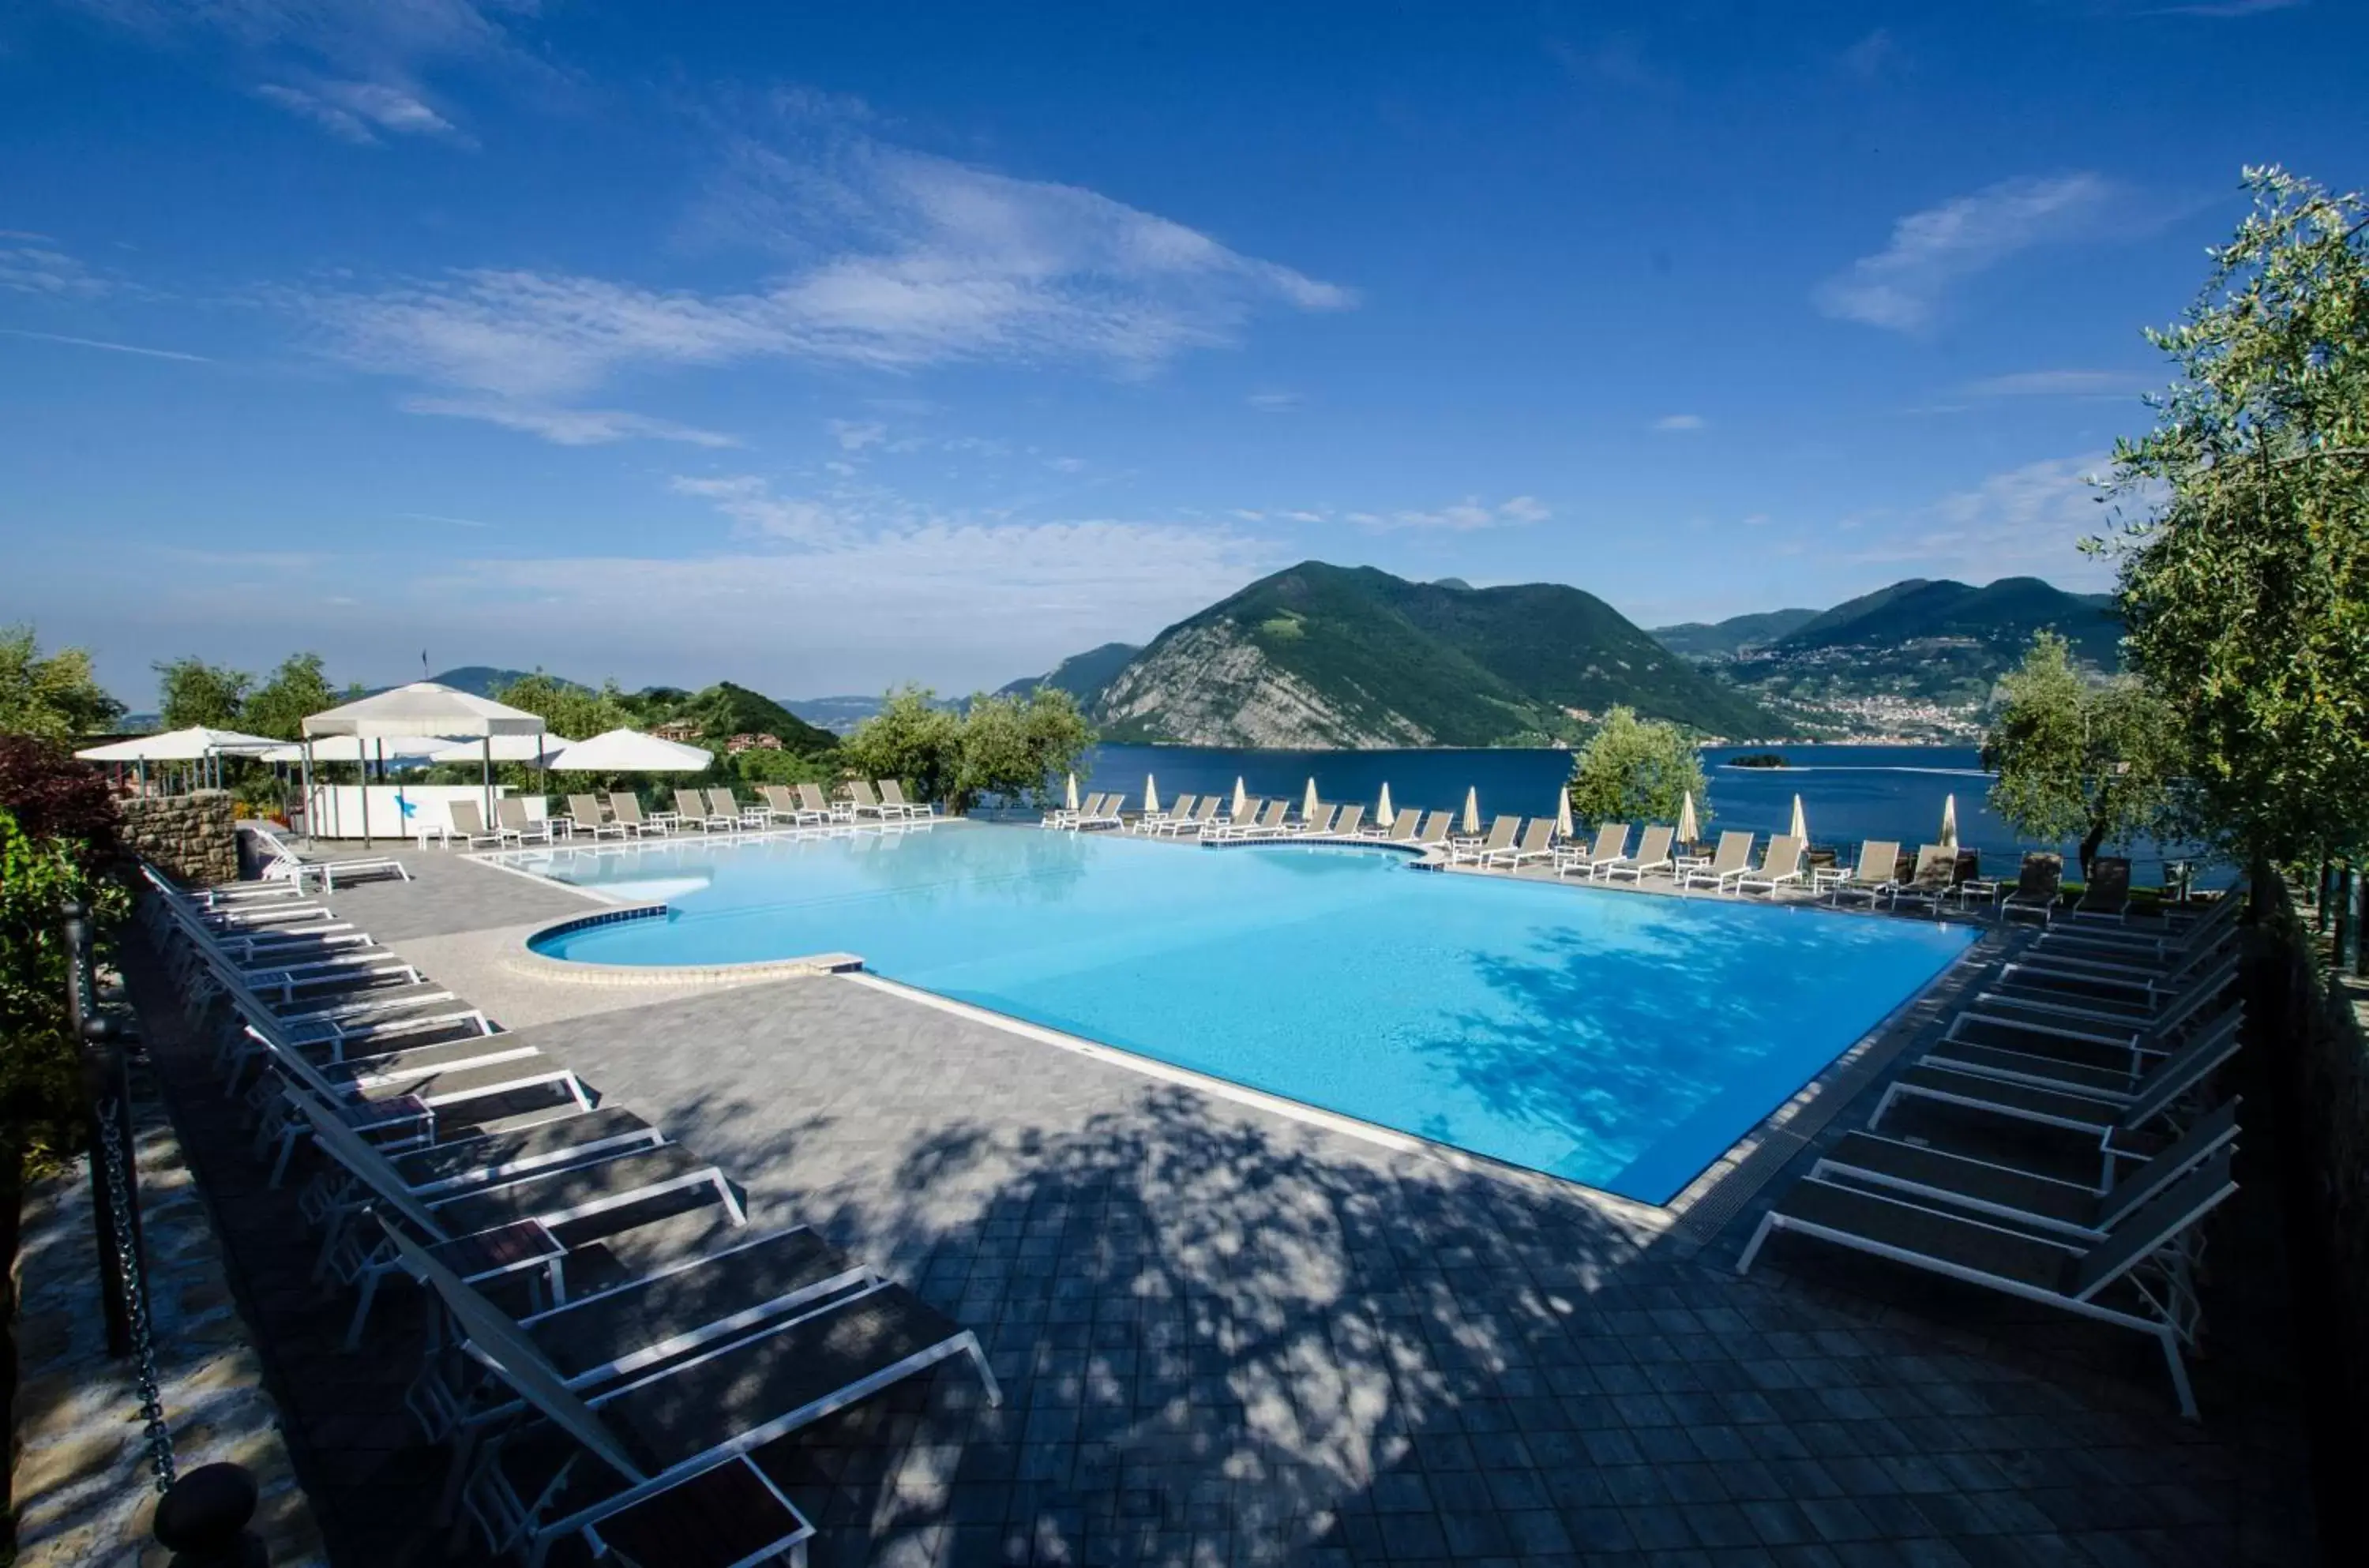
x=469, y=821
x=2107, y=896
x=1537, y=843
x=1500, y=839
x=1731, y=860
x=2073, y=1096
x=1612, y=839
x=1876, y=873
x=2036, y=888
x=1780, y=863
x=584, y=816
x=2065, y=1274
x=510, y=816
x=625, y=807
x=1653, y=854
x=1936, y=870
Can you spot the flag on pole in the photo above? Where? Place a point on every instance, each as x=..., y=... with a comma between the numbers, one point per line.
x=1383, y=815
x=1472, y=810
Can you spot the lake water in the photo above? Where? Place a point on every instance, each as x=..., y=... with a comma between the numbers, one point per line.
x=1848, y=792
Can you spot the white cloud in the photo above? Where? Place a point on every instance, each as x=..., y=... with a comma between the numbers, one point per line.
x=1274, y=402
x=1901, y=287
x=1067, y=465
x=104, y=343
x=899, y=259
x=356, y=69
x=44, y=271
x=1465, y=516
x=854, y=436
x=2023, y=521
x=566, y=427
x=1674, y=423
x=2057, y=384
x=1871, y=56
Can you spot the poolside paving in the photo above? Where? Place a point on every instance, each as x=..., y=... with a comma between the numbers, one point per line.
x=1226, y=1335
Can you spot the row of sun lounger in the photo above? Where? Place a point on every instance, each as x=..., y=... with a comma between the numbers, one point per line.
x=2097, y=1033
x=617, y=1332
x=715, y=810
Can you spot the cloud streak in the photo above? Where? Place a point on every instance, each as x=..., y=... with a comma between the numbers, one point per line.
x=567, y=426
x=1466, y=515
x=102, y=343
x=2026, y=520
x=1901, y=288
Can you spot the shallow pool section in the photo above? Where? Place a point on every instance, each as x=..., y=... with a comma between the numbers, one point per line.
x=1621, y=1041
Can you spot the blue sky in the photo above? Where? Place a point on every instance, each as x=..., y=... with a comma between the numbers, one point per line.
x=820, y=348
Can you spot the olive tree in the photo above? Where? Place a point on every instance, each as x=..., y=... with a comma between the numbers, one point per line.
x=1637, y=770
x=2081, y=759
x=911, y=738
x=1015, y=746
x=53, y=695
x=196, y=693
x=278, y=708
x=2245, y=579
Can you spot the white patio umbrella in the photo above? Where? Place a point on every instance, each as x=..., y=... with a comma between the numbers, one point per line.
x=629, y=751
x=1383, y=815
x=538, y=750
x=1241, y=807
x=1950, y=822
x=195, y=744
x=1070, y=794
x=1308, y=804
x=1801, y=827
x=1688, y=829
x=423, y=707
x=1150, y=796
x=1562, y=814
x=1471, y=810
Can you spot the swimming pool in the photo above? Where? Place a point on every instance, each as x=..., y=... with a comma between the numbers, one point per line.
x=1620, y=1041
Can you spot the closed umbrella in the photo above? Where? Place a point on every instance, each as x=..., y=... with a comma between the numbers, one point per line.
x=1070, y=795
x=1383, y=815
x=1150, y=796
x=1308, y=804
x=1688, y=829
x=1472, y=810
x=1562, y=814
x=1241, y=807
x=1801, y=827
x=1950, y=823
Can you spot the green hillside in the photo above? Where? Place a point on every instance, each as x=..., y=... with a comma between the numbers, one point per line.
x=1470, y=667
x=485, y=680
x=1726, y=639
x=725, y=710
x=2006, y=612
x=1082, y=675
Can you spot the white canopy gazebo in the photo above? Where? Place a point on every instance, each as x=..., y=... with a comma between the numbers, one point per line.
x=353, y=748
x=629, y=751
x=195, y=744
x=538, y=750
x=421, y=708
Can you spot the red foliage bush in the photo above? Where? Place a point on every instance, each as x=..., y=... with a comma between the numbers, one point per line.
x=51, y=796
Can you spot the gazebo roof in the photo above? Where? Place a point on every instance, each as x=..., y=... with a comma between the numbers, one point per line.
x=424, y=708
x=179, y=746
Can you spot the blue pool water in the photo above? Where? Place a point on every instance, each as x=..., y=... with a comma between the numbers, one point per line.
x=1617, y=1040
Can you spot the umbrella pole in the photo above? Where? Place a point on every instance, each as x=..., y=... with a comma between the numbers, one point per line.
x=489, y=782
x=308, y=792
x=379, y=747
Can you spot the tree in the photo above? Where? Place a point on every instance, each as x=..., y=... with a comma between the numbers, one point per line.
x=196, y=693
x=1015, y=747
x=52, y=796
x=2077, y=758
x=1637, y=770
x=56, y=696
x=278, y=708
x=576, y=712
x=760, y=766
x=2244, y=586
x=911, y=738
x=40, y=1081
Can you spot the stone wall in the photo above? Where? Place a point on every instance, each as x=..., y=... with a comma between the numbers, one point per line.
x=192, y=836
x=81, y=1477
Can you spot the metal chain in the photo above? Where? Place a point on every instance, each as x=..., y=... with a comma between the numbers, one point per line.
x=127, y=1256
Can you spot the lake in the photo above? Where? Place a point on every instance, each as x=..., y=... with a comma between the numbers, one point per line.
x=1848, y=792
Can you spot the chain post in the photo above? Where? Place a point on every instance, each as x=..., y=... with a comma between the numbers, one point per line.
x=99, y=1098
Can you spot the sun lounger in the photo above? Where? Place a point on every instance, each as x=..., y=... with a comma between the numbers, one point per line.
x=1781, y=866
x=1731, y=861
x=286, y=865
x=2127, y=950
x=2036, y=888
x=689, y=809
x=1267, y=821
x=2019, y=997
x=2063, y=1093
x=811, y=798
x=512, y=821
x=892, y=795
x=1611, y=840
x=1434, y=831
x=1110, y=813
x=625, y=810
x=1345, y=824
x=1195, y=818
x=781, y=806
x=2107, y=895
x=1878, y=872
x=2069, y=1275
x=2006, y=1192
x=584, y=816
x=1929, y=881
x=727, y=810
x=1653, y=854
x=1402, y=830
x=862, y=802
x=1067, y=818
x=469, y=825
x=1179, y=807
x=671, y=1425
x=2050, y=971
x=1480, y=851
x=1318, y=825
x=1537, y=843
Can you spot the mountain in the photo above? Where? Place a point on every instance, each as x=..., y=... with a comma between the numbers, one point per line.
x=2003, y=614
x=1082, y=675
x=725, y=710
x=484, y=680
x=1726, y=639
x=837, y=715
x=1335, y=655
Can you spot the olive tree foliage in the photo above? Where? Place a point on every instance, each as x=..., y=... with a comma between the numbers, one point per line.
x=1637, y=770
x=576, y=712
x=1010, y=747
x=2244, y=586
x=297, y=689
x=195, y=693
x=2076, y=758
x=54, y=696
